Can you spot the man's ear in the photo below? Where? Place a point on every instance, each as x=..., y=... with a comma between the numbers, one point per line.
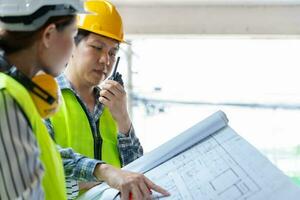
x=48, y=35
x=75, y=49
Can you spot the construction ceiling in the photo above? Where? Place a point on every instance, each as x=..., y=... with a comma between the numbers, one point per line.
x=210, y=17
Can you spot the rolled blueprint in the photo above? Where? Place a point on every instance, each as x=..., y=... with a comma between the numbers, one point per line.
x=180, y=143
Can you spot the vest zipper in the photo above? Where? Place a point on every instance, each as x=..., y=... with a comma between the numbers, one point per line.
x=96, y=133
x=97, y=142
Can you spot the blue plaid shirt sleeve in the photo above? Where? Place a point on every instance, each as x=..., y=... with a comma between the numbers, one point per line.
x=78, y=167
x=129, y=147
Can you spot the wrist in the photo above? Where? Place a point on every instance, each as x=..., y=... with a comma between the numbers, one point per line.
x=101, y=171
x=124, y=125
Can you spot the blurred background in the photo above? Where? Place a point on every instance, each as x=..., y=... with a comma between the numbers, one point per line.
x=188, y=59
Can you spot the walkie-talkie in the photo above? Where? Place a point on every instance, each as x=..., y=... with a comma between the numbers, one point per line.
x=116, y=76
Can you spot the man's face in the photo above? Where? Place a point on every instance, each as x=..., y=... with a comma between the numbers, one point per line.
x=94, y=57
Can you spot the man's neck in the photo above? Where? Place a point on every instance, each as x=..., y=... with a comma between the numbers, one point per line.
x=85, y=91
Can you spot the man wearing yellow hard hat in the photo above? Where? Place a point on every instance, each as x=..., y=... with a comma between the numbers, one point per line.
x=93, y=121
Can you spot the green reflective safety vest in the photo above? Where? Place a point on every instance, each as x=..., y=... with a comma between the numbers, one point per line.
x=72, y=129
x=54, y=179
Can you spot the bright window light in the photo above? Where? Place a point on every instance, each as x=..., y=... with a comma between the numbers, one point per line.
x=178, y=82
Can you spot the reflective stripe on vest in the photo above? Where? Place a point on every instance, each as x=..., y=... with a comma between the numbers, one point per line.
x=54, y=179
x=72, y=129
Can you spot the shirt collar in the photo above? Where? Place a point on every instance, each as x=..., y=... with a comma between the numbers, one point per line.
x=65, y=84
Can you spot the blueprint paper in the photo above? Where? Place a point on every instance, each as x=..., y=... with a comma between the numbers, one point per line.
x=223, y=167
x=209, y=161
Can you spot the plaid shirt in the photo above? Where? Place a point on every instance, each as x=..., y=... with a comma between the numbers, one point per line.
x=79, y=167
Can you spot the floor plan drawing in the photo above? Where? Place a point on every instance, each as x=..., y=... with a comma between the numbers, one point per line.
x=209, y=171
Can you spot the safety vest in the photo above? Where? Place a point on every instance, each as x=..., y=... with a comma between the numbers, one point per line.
x=72, y=129
x=54, y=179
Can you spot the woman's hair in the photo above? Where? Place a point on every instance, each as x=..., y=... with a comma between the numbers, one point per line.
x=14, y=41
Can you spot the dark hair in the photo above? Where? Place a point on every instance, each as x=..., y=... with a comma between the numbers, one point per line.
x=81, y=34
x=13, y=41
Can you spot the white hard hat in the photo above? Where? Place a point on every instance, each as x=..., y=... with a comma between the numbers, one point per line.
x=26, y=15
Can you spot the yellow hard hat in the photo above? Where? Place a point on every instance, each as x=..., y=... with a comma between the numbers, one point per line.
x=103, y=19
